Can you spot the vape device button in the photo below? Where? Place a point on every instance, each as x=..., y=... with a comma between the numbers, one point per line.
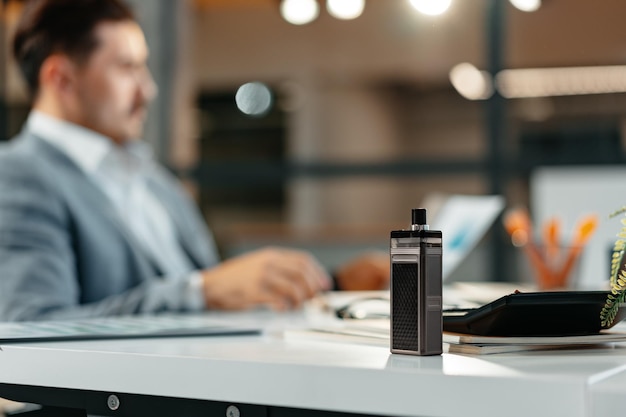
x=433, y=303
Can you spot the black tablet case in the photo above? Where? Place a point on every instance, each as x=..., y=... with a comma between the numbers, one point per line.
x=563, y=313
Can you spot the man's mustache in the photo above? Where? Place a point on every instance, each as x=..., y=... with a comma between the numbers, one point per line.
x=139, y=106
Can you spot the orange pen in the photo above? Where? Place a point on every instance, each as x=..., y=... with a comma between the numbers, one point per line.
x=584, y=230
x=519, y=226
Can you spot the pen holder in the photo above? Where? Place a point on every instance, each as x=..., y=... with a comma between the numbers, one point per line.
x=553, y=268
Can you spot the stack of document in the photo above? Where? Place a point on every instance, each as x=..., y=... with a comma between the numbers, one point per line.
x=376, y=333
x=481, y=345
x=369, y=332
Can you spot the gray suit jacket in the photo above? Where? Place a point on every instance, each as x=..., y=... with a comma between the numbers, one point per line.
x=64, y=252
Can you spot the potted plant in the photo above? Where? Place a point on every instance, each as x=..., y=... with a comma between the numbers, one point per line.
x=617, y=296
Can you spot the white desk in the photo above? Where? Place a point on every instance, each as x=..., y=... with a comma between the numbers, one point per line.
x=270, y=376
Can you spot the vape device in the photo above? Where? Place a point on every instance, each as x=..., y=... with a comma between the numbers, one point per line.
x=416, y=293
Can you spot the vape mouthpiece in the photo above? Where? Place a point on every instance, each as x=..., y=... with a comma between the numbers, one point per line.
x=418, y=217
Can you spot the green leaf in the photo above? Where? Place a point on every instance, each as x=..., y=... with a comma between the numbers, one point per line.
x=617, y=295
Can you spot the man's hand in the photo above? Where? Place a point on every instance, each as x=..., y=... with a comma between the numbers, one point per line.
x=367, y=272
x=279, y=278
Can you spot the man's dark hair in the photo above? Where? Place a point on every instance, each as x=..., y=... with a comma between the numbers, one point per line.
x=47, y=27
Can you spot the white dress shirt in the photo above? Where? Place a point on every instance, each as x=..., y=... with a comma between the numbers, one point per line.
x=121, y=173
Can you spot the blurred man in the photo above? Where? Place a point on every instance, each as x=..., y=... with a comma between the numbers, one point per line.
x=90, y=225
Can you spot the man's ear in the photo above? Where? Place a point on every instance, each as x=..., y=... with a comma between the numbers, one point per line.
x=58, y=72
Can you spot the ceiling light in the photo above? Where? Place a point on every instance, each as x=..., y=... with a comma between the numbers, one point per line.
x=548, y=82
x=299, y=12
x=470, y=82
x=526, y=5
x=345, y=9
x=254, y=99
x=431, y=7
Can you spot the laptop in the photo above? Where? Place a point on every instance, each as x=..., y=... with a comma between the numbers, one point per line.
x=464, y=220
